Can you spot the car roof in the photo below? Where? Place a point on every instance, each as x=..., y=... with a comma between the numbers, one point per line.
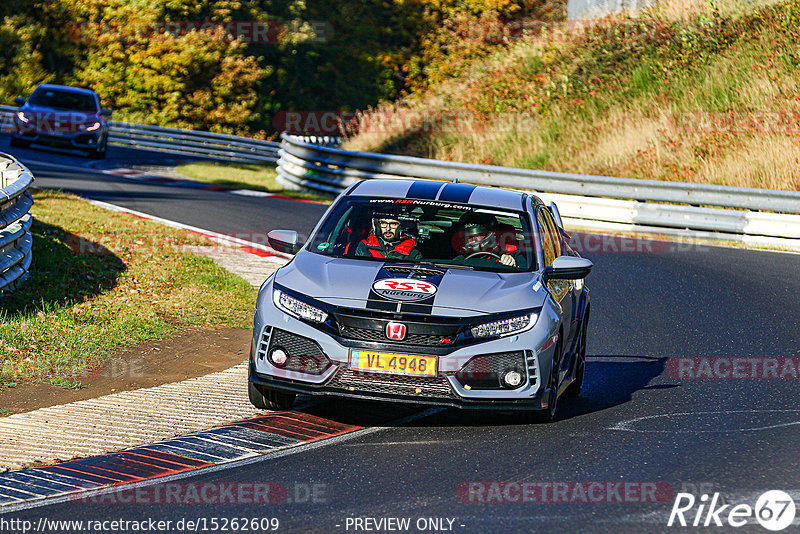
x=66, y=88
x=442, y=191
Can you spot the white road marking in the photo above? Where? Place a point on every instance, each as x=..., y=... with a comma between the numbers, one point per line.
x=250, y=193
x=627, y=426
x=222, y=239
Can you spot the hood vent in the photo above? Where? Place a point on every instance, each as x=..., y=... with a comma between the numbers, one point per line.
x=421, y=271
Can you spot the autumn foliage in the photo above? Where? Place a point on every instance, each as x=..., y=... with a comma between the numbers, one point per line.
x=317, y=55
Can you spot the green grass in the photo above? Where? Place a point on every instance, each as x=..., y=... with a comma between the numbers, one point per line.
x=102, y=281
x=66, y=383
x=245, y=176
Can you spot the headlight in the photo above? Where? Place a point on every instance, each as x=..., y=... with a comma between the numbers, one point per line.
x=505, y=327
x=21, y=116
x=93, y=127
x=297, y=308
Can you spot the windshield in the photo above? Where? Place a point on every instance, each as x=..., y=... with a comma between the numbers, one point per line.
x=53, y=98
x=427, y=232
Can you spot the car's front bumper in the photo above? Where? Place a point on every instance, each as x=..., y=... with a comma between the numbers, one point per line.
x=300, y=387
x=337, y=378
x=76, y=140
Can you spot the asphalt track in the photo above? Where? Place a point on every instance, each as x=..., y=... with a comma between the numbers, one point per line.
x=636, y=422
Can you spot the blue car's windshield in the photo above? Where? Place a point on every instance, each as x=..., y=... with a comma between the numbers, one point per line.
x=428, y=232
x=67, y=100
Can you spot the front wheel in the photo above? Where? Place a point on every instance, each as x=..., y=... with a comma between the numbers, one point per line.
x=265, y=398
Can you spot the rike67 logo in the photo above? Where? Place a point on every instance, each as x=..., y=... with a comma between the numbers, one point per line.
x=774, y=510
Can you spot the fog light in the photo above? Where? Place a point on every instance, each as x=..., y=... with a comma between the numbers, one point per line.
x=512, y=378
x=278, y=357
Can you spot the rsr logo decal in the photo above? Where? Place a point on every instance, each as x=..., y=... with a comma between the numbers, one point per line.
x=404, y=289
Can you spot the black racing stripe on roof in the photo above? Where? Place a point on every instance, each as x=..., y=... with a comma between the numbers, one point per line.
x=423, y=190
x=456, y=192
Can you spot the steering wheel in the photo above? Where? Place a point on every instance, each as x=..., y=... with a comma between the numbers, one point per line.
x=490, y=254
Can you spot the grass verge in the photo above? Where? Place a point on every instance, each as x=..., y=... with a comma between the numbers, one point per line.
x=245, y=176
x=101, y=281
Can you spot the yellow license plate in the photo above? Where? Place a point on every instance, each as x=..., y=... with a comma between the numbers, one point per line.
x=396, y=364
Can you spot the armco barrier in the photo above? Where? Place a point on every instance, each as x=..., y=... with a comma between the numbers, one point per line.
x=179, y=141
x=15, y=222
x=579, y=197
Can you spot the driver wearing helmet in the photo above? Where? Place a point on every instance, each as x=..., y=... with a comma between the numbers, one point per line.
x=476, y=234
x=386, y=239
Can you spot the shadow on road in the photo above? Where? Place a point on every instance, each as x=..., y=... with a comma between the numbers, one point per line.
x=611, y=380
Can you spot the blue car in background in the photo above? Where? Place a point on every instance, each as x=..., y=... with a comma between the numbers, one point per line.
x=61, y=116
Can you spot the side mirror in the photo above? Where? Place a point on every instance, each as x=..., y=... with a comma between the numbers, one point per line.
x=284, y=241
x=19, y=101
x=106, y=112
x=569, y=268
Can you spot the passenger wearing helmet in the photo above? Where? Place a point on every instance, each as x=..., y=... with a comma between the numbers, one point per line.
x=386, y=240
x=476, y=238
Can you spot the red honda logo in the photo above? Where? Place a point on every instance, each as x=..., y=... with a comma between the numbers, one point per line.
x=396, y=331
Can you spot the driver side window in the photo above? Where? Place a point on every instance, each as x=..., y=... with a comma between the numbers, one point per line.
x=545, y=239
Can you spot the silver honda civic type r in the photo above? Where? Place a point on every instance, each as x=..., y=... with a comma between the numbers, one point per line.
x=425, y=292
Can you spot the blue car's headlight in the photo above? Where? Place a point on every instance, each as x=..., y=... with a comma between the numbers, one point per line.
x=297, y=308
x=505, y=327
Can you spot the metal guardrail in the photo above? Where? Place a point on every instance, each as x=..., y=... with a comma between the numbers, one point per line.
x=179, y=141
x=15, y=222
x=579, y=197
x=193, y=143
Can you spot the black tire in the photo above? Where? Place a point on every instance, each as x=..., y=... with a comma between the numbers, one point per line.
x=265, y=398
x=574, y=389
x=19, y=143
x=550, y=414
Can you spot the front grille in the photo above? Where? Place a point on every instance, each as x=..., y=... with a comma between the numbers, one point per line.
x=379, y=336
x=422, y=330
x=360, y=382
x=304, y=354
x=485, y=372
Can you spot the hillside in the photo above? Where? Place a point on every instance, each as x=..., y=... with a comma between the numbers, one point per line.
x=686, y=91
